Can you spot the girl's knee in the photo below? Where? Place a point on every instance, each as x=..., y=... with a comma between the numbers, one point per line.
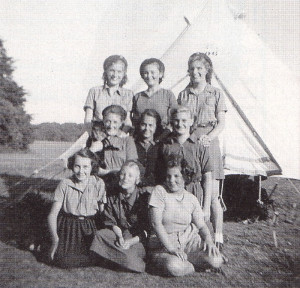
x=176, y=267
x=214, y=261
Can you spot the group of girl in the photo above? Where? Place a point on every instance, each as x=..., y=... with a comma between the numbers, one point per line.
x=149, y=175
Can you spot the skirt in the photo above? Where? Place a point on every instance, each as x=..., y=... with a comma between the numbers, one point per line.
x=131, y=259
x=214, y=153
x=75, y=238
x=188, y=241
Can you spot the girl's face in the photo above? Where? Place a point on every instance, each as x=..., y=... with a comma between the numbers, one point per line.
x=112, y=124
x=197, y=71
x=128, y=178
x=182, y=123
x=174, y=180
x=148, y=127
x=151, y=75
x=115, y=73
x=82, y=168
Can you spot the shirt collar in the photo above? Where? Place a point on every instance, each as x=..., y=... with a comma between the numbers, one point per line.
x=145, y=93
x=208, y=89
x=74, y=184
x=119, y=90
x=131, y=199
x=173, y=139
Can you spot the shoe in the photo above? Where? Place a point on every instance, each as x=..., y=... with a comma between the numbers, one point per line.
x=219, y=245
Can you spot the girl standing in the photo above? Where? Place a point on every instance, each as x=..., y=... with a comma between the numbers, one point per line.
x=207, y=104
x=72, y=217
x=112, y=92
x=162, y=100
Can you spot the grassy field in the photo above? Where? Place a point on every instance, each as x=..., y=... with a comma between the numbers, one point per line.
x=254, y=260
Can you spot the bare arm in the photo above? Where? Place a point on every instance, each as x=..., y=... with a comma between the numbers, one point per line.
x=52, y=223
x=88, y=115
x=219, y=127
x=207, y=189
x=204, y=233
x=156, y=221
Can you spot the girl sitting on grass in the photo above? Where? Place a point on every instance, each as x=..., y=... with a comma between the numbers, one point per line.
x=72, y=218
x=126, y=223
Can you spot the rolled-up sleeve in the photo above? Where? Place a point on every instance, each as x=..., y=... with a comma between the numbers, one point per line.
x=205, y=160
x=60, y=191
x=157, y=198
x=220, y=103
x=89, y=103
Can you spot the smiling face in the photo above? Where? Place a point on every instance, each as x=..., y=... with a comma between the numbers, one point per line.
x=148, y=127
x=82, y=168
x=151, y=74
x=181, y=123
x=112, y=124
x=197, y=71
x=129, y=178
x=115, y=73
x=174, y=180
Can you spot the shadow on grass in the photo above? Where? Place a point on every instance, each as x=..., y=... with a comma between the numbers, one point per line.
x=23, y=215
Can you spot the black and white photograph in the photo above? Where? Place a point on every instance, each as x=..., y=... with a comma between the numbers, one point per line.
x=149, y=143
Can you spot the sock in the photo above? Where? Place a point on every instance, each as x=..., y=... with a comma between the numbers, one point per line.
x=219, y=237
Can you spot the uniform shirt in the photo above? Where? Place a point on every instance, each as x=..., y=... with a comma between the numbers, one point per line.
x=204, y=106
x=161, y=101
x=80, y=201
x=128, y=213
x=99, y=98
x=117, y=150
x=177, y=213
x=147, y=156
x=196, y=155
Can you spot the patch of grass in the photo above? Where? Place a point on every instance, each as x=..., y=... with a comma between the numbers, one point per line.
x=254, y=261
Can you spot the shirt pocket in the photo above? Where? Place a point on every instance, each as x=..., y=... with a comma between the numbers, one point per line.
x=210, y=101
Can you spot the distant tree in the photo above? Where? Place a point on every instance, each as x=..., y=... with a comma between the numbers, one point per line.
x=15, y=128
x=68, y=132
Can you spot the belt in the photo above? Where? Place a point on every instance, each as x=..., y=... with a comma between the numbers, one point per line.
x=209, y=124
x=69, y=215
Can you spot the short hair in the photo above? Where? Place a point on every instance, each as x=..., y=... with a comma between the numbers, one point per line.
x=160, y=64
x=84, y=153
x=133, y=164
x=205, y=60
x=115, y=109
x=180, y=109
x=111, y=60
x=177, y=160
x=153, y=113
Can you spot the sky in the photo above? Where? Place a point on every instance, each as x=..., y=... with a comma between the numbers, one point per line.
x=59, y=46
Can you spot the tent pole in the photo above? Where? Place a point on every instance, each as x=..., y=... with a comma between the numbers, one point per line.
x=294, y=185
x=259, y=189
x=188, y=24
x=246, y=120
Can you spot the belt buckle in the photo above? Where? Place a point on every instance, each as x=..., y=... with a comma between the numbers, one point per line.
x=81, y=218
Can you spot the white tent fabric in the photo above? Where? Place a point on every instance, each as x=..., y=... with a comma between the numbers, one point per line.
x=263, y=87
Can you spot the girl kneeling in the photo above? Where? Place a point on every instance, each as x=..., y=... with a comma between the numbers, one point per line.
x=72, y=218
x=126, y=223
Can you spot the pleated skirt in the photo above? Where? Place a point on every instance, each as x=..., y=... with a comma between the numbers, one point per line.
x=75, y=237
x=132, y=259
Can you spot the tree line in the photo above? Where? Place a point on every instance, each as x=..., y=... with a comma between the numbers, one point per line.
x=58, y=132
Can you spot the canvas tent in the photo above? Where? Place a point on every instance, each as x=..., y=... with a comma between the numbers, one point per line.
x=262, y=123
x=262, y=132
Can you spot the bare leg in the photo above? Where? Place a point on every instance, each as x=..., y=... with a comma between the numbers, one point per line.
x=171, y=265
x=217, y=212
